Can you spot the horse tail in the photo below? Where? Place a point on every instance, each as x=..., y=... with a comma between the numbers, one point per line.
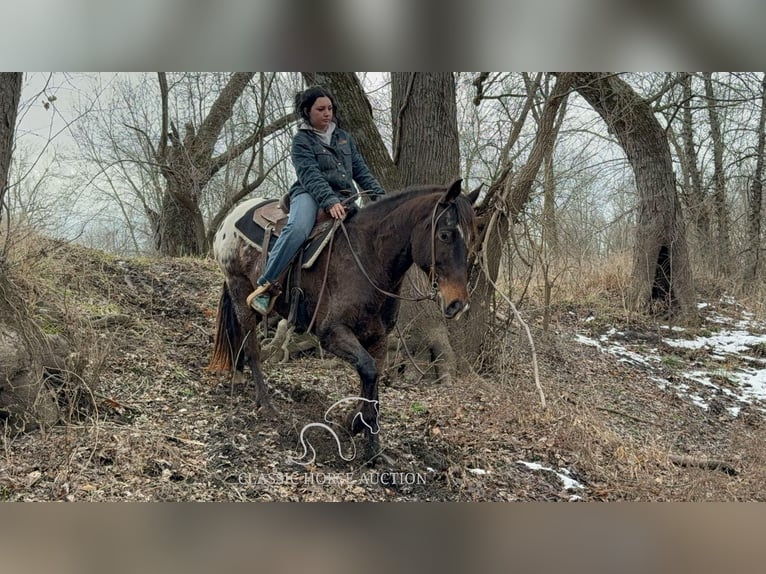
x=227, y=334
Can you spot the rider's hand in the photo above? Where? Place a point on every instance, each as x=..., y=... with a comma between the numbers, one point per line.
x=337, y=211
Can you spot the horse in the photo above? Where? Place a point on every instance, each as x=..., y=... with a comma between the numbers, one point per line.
x=352, y=292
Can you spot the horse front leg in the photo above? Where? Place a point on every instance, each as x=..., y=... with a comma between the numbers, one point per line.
x=342, y=342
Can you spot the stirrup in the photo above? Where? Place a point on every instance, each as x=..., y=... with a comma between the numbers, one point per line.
x=260, y=292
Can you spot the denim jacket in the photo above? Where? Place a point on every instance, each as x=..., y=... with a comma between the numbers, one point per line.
x=326, y=171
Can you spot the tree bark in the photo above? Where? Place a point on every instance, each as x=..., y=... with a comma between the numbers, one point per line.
x=755, y=198
x=549, y=241
x=426, y=150
x=425, y=144
x=723, y=241
x=22, y=397
x=179, y=226
x=661, y=270
x=10, y=92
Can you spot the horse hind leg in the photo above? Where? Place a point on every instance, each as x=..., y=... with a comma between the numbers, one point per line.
x=250, y=349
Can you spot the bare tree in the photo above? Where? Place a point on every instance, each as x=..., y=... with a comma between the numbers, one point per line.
x=518, y=189
x=22, y=346
x=425, y=149
x=186, y=166
x=755, y=197
x=661, y=270
x=722, y=241
x=10, y=92
x=511, y=191
x=694, y=192
x=182, y=149
x=189, y=162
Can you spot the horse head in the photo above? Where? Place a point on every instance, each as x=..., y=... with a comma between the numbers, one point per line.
x=442, y=248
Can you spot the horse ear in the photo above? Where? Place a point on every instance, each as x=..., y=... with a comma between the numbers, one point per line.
x=453, y=191
x=474, y=195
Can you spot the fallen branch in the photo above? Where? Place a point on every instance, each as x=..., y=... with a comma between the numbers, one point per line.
x=706, y=463
x=407, y=351
x=485, y=268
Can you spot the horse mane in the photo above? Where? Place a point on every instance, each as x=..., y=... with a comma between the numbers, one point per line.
x=427, y=195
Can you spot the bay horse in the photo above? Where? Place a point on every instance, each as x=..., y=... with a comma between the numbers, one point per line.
x=352, y=292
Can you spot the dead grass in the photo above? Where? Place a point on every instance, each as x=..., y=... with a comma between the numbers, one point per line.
x=600, y=285
x=162, y=428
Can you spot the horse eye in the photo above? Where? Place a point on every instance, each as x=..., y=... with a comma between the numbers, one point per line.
x=445, y=236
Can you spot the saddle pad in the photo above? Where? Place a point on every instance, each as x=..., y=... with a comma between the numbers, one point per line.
x=320, y=236
x=253, y=232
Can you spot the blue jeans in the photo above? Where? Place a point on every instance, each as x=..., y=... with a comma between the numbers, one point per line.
x=303, y=214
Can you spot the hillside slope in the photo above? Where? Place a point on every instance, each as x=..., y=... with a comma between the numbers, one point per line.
x=150, y=423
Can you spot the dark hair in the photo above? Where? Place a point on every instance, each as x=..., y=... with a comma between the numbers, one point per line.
x=305, y=99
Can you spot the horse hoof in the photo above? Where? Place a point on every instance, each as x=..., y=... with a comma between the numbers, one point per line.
x=268, y=411
x=355, y=423
x=380, y=458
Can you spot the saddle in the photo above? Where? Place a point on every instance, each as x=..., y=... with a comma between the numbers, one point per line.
x=263, y=223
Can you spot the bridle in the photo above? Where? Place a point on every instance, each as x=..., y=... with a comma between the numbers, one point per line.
x=433, y=278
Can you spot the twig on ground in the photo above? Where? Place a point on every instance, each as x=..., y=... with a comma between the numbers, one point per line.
x=485, y=268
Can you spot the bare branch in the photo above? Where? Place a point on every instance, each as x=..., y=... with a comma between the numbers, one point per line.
x=161, y=150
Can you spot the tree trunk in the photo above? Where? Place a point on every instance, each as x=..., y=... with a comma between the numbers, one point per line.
x=180, y=228
x=723, y=240
x=187, y=166
x=22, y=399
x=518, y=189
x=426, y=150
x=494, y=224
x=755, y=198
x=695, y=196
x=549, y=241
x=661, y=271
x=10, y=92
x=424, y=113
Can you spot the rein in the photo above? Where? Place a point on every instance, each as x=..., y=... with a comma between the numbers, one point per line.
x=431, y=275
x=326, y=272
x=432, y=271
x=369, y=279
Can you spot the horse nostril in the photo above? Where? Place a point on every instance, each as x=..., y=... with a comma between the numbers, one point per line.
x=453, y=309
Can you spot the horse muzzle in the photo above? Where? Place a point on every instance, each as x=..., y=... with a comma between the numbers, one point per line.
x=453, y=301
x=455, y=309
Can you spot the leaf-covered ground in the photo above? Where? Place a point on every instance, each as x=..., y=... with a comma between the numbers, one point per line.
x=150, y=423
